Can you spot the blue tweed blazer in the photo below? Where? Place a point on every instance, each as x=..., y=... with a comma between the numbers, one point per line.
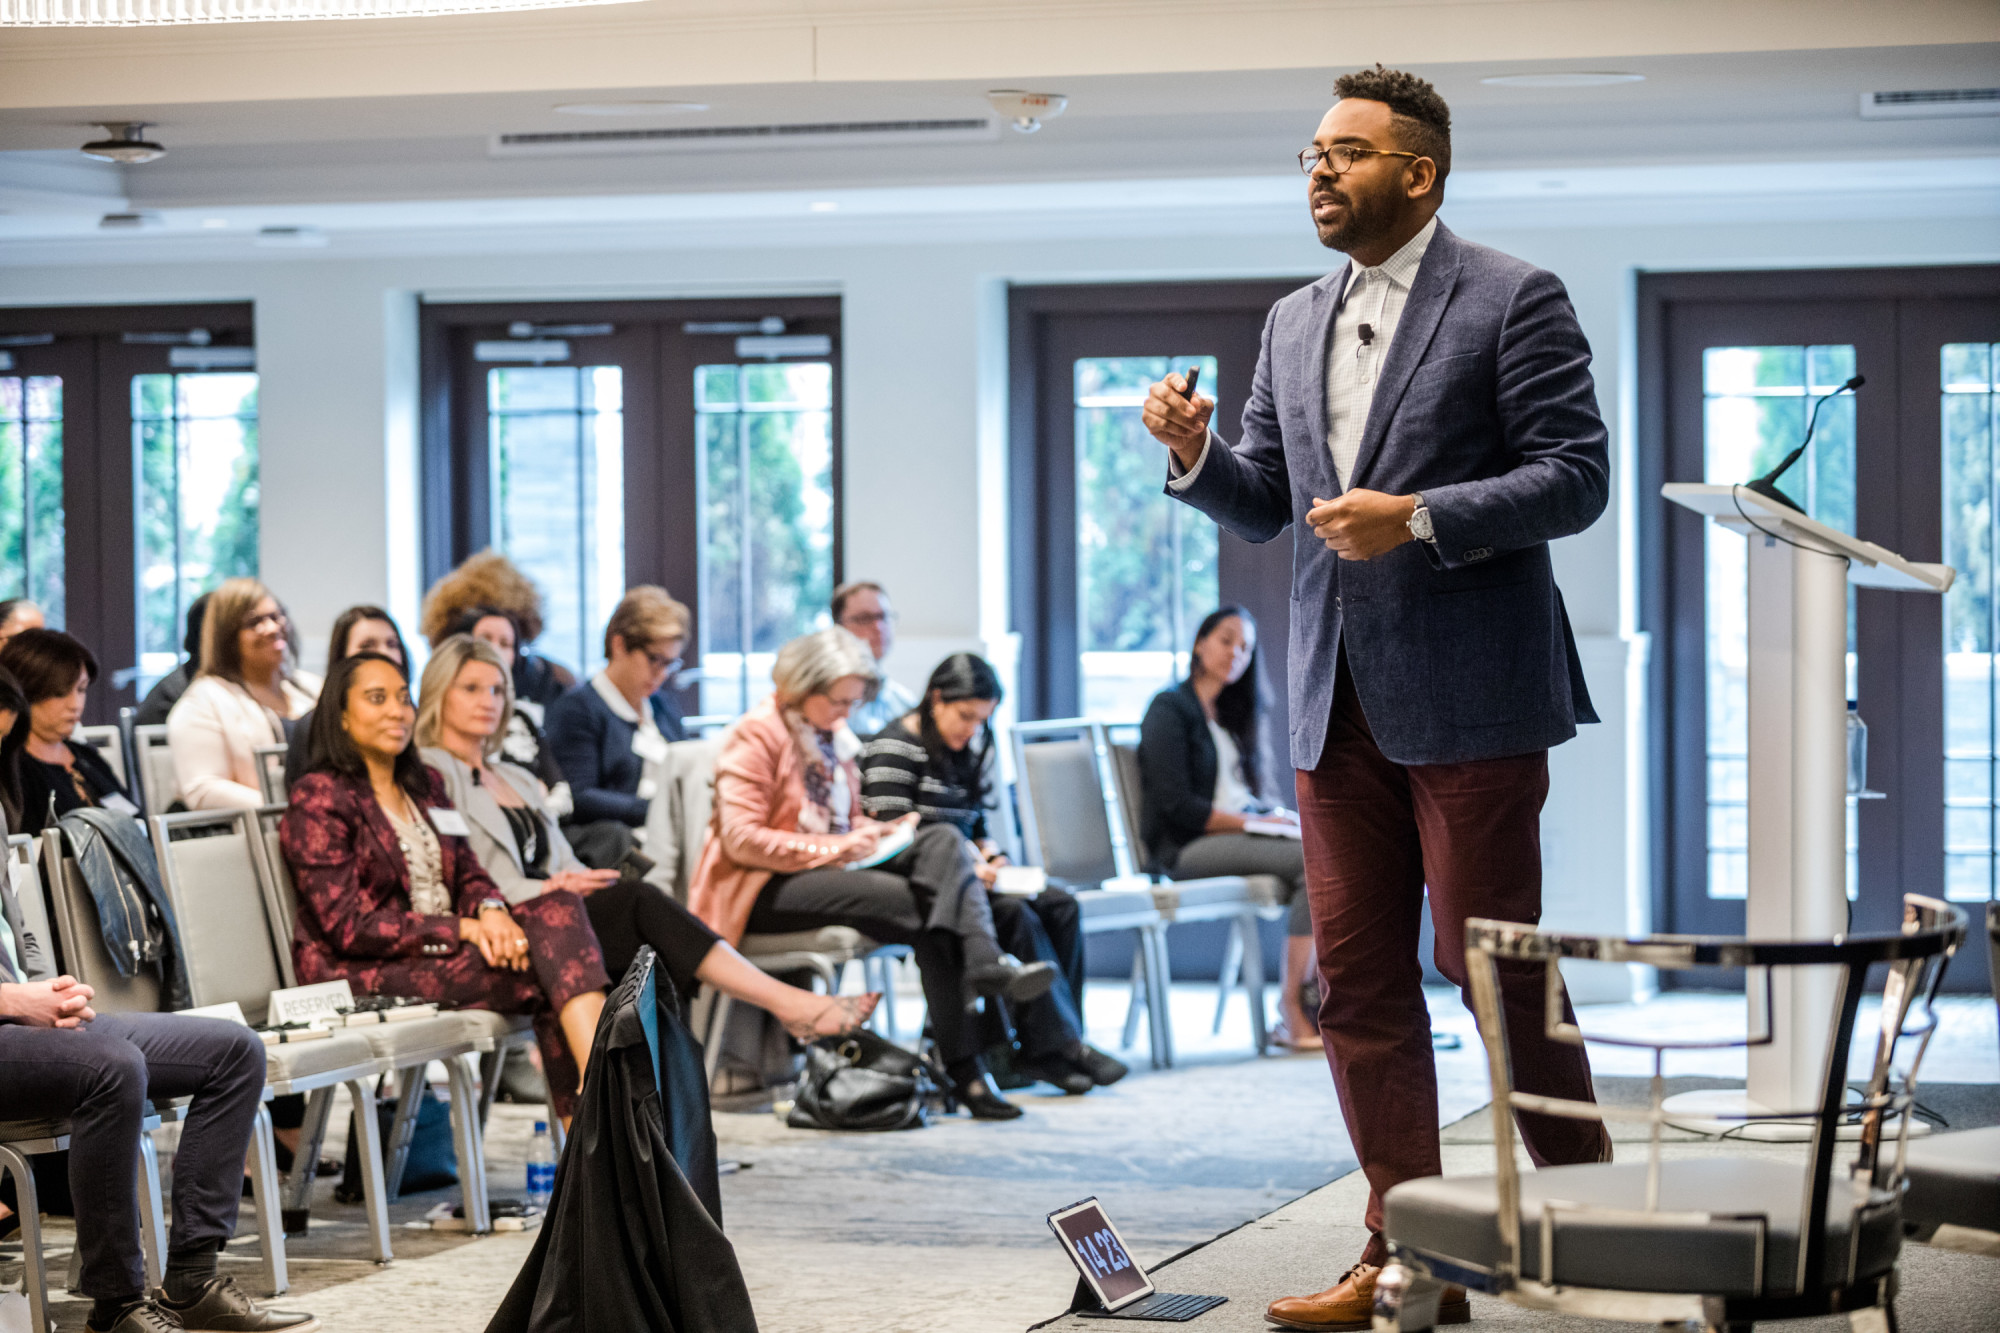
x=1485, y=405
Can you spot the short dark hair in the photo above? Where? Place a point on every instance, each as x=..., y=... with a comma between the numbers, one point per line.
x=47, y=663
x=847, y=591
x=1421, y=118
x=329, y=749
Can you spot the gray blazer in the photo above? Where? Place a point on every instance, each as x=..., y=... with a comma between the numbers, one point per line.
x=491, y=838
x=1486, y=406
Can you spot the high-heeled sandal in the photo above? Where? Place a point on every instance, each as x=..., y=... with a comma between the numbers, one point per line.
x=846, y=1012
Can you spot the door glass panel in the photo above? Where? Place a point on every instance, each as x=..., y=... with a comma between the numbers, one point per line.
x=31, y=491
x=1755, y=401
x=1971, y=405
x=196, y=440
x=1145, y=563
x=557, y=435
x=764, y=433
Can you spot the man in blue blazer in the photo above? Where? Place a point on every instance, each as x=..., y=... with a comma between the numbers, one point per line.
x=1425, y=423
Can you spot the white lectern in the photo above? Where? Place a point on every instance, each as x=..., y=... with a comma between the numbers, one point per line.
x=1799, y=571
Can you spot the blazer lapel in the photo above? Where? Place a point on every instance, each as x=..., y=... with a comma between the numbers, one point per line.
x=378, y=824
x=1329, y=295
x=482, y=809
x=1429, y=295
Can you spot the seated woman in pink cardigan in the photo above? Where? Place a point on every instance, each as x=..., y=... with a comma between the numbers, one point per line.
x=788, y=834
x=248, y=694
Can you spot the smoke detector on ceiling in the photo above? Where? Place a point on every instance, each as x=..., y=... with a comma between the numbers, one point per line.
x=128, y=144
x=1026, y=110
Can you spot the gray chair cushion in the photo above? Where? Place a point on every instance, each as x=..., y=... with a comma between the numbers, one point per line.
x=306, y=1059
x=1115, y=909
x=1955, y=1180
x=1267, y=890
x=419, y=1040
x=1452, y=1218
x=488, y=1030
x=838, y=942
x=1202, y=899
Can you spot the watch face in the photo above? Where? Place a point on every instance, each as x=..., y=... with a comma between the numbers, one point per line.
x=1420, y=525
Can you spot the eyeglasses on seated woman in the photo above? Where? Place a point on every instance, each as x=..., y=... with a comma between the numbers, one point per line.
x=793, y=850
x=392, y=898
x=467, y=698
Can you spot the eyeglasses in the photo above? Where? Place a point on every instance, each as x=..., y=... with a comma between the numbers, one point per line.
x=660, y=661
x=268, y=618
x=1340, y=158
x=868, y=618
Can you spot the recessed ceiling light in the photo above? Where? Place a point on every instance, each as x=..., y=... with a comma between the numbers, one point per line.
x=629, y=108
x=1563, y=79
x=127, y=146
x=823, y=206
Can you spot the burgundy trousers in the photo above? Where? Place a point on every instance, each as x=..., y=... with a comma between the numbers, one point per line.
x=1376, y=834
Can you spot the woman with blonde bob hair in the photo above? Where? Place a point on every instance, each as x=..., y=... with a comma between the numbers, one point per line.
x=461, y=722
x=248, y=694
x=790, y=849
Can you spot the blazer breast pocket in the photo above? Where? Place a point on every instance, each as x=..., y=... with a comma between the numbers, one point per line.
x=1450, y=391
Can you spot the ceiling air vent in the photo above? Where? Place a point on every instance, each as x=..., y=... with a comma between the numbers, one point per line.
x=1929, y=103
x=723, y=138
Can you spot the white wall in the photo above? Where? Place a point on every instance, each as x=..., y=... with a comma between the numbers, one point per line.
x=924, y=359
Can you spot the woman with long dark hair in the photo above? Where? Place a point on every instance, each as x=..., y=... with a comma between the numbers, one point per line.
x=936, y=762
x=1203, y=784
x=392, y=898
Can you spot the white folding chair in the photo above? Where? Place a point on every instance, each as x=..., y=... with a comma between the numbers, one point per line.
x=271, y=772
x=109, y=742
x=159, y=783
x=1066, y=829
x=407, y=1048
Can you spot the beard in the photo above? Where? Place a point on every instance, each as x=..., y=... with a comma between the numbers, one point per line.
x=1362, y=219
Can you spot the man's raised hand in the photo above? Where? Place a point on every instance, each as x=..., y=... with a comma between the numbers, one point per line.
x=1178, y=422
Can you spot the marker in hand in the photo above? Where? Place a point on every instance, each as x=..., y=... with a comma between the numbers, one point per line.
x=1193, y=378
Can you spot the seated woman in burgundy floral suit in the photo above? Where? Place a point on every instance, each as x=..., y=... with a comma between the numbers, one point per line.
x=395, y=902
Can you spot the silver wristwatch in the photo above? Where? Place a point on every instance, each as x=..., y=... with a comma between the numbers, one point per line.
x=1420, y=523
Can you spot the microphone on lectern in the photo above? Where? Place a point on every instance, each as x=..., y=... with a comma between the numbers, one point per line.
x=1767, y=485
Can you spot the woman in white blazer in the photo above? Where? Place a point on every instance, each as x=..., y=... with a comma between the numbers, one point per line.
x=466, y=700
x=245, y=695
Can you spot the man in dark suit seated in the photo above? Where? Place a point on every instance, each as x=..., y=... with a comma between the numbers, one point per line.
x=603, y=732
x=61, y=1061
x=1425, y=422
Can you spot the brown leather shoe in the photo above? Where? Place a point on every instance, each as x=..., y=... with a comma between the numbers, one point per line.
x=1348, y=1305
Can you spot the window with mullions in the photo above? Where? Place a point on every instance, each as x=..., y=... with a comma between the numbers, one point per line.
x=1754, y=402
x=557, y=435
x=1971, y=407
x=764, y=440
x=31, y=491
x=1146, y=565
x=196, y=437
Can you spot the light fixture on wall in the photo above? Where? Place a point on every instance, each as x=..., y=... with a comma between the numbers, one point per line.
x=128, y=13
x=127, y=144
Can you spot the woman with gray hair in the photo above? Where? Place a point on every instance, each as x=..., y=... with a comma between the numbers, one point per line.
x=790, y=849
x=467, y=698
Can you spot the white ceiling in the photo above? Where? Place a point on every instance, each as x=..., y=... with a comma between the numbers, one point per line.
x=1715, y=92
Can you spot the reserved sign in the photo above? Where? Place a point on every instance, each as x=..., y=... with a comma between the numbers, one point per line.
x=310, y=1004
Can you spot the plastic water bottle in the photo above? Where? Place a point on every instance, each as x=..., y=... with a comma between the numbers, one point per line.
x=1857, y=750
x=541, y=1166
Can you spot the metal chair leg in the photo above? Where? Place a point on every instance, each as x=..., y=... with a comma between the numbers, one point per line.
x=403, y=1127
x=711, y=1045
x=1406, y=1300
x=471, y=1146
x=1251, y=949
x=152, y=1217
x=556, y=1132
x=491, y=1066
x=266, y=1188
x=1141, y=994
x=1159, y=970
x=312, y=1137
x=1225, y=980
x=27, y=1207
x=368, y=1151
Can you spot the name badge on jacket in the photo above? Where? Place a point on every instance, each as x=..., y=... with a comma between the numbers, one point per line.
x=449, y=822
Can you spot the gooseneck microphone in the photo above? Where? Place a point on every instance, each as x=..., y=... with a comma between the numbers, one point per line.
x=1767, y=485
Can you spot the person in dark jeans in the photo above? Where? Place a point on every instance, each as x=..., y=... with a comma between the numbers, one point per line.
x=60, y=1060
x=936, y=762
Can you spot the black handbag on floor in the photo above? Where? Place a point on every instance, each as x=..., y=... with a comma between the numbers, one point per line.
x=433, y=1161
x=862, y=1082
